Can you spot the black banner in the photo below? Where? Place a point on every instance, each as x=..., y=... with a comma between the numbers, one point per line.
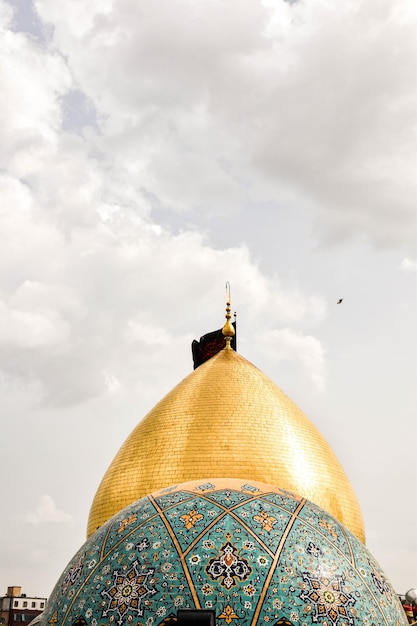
x=209, y=345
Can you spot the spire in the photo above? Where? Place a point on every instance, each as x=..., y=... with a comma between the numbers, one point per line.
x=211, y=343
x=228, y=330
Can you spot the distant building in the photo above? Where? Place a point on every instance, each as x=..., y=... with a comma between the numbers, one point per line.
x=16, y=607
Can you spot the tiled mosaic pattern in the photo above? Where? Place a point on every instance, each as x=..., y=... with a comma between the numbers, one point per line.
x=253, y=553
x=227, y=419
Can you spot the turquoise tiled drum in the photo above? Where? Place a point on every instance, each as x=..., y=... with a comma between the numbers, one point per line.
x=252, y=552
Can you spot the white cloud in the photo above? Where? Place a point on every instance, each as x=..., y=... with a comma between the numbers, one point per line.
x=258, y=109
x=409, y=264
x=82, y=285
x=47, y=512
x=287, y=345
x=37, y=329
x=32, y=79
x=146, y=333
x=79, y=302
x=209, y=103
x=77, y=17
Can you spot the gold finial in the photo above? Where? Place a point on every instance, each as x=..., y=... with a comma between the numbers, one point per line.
x=228, y=330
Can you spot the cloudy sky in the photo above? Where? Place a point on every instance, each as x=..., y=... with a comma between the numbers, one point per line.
x=151, y=151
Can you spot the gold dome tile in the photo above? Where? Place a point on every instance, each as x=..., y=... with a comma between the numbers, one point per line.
x=227, y=419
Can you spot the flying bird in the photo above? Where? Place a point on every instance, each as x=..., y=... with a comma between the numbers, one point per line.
x=339, y=301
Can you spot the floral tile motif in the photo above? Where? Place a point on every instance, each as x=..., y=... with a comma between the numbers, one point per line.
x=266, y=520
x=328, y=598
x=228, y=497
x=126, y=594
x=228, y=568
x=253, y=553
x=190, y=518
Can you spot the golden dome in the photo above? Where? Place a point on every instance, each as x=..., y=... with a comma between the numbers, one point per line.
x=227, y=419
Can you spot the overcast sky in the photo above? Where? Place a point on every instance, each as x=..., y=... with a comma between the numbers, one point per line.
x=152, y=150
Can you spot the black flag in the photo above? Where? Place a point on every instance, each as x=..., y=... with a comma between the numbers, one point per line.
x=209, y=345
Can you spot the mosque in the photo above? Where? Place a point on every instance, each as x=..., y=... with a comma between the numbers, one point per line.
x=224, y=500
